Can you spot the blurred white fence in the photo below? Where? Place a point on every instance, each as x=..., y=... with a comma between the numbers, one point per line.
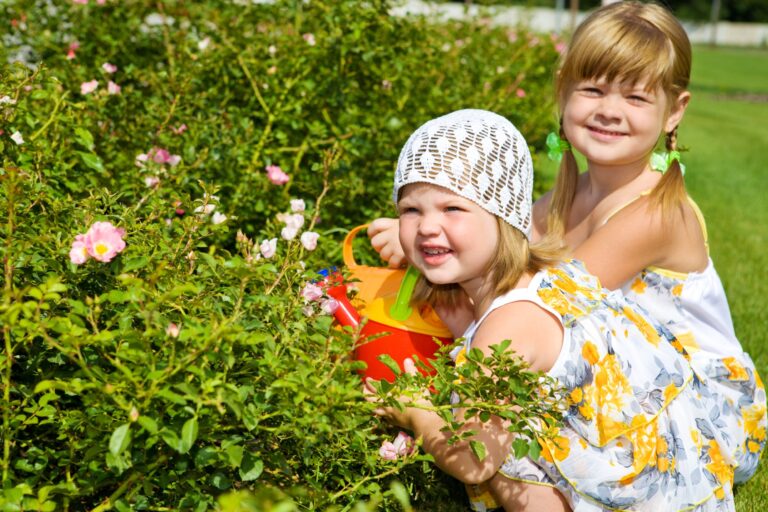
x=551, y=20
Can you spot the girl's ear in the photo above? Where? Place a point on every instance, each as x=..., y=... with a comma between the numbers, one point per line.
x=676, y=111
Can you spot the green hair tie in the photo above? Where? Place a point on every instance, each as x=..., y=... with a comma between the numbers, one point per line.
x=661, y=161
x=556, y=147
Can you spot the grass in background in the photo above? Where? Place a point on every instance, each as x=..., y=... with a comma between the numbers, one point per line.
x=726, y=129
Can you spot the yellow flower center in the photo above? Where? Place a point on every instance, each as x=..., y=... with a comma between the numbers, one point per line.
x=101, y=248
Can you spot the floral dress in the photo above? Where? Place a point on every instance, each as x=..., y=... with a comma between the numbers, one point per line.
x=637, y=432
x=694, y=308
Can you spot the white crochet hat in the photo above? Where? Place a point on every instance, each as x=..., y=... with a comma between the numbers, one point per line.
x=476, y=154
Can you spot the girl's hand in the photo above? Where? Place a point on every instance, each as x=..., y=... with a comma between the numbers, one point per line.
x=385, y=238
x=394, y=415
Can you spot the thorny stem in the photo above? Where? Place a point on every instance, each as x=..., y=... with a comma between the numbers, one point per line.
x=51, y=118
x=109, y=502
x=168, y=45
x=7, y=297
x=329, y=160
x=362, y=481
x=270, y=115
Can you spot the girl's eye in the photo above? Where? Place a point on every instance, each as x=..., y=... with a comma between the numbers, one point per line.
x=454, y=209
x=408, y=209
x=638, y=99
x=591, y=91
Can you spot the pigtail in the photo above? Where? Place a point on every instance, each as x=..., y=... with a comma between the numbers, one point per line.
x=563, y=194
x=670, y=191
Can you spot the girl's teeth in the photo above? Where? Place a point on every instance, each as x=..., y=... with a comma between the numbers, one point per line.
x=435, y=251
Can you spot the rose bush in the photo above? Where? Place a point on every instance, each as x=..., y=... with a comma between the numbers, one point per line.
x=173, y=175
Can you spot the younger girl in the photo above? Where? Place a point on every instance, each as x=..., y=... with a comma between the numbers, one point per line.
x=621, y=87
x=635, y=435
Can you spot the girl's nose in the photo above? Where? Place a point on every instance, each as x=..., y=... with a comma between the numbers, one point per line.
x=609, y=107
x=429, y=224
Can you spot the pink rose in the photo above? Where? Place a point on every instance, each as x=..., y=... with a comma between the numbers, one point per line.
x=403, y=444
x=276, y=175
x=172, y=330
x=297, y=205
x=309, y=38
x=89, y=87
x=109, y=68
x=388, y=451
x=159, y=155
x=309, y=240
x=520, y=93
x=288, y=233
x=312, y=292
x=104, y=241
x=79, y=252
x=291, y=220
x=113, y=88
x=268, y=247
x=329, y=306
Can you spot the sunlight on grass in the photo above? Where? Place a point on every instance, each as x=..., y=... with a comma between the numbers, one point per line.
x=728, y=138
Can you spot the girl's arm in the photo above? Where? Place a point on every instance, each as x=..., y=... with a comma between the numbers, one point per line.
x=537, y=337
x=638, y=237
x=457, y=459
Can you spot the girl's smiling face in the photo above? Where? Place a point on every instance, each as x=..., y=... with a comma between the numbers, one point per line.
x=617, y=123
x=450, y=239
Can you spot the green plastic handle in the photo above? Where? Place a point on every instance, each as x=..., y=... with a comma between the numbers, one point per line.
x=400, y=310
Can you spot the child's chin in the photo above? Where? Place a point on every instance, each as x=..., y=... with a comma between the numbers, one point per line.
x=438, y=279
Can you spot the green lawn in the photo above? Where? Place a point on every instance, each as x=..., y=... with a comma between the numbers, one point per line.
x=726, y=129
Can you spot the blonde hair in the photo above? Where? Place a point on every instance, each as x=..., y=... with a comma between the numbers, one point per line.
x=626, y=42
x=514, y=256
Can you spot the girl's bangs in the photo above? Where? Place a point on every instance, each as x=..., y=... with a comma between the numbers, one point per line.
x=636, y=54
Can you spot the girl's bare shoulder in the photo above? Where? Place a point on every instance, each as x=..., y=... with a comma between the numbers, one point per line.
x=535, y=334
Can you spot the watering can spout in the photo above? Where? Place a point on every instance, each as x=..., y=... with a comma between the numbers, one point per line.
x=334, y=286
x=401, y=309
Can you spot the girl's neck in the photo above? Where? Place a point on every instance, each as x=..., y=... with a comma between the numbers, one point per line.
x=603, y=179
x=482, y=296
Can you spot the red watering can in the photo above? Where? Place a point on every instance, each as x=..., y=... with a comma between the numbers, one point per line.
x=393, y=327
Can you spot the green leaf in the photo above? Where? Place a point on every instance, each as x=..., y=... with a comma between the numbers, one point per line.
x=534, y=449
x=171, y=396
x=520, y=447
x=251, y=467
x=401, y=495
x=171, y=439
x=478, y=448
x=135, y=263
x=92, y=161
x=205, y=456
x=390, y=363
x=120, y=439
x=148, y=423
x=84, y=138
x=188, y=434
x=235, y=455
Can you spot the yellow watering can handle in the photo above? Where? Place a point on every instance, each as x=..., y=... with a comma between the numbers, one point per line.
x=349, y=257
